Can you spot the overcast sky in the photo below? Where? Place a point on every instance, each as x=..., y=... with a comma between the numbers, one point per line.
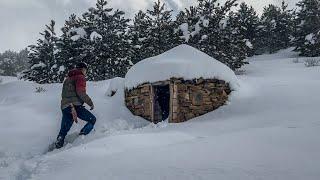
x=22, y=20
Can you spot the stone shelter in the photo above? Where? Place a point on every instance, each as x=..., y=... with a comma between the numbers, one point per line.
x=178, y=85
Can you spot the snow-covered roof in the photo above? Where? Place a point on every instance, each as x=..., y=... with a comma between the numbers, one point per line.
x=180, y=62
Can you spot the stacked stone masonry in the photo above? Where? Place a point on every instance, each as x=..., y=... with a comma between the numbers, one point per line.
x=189, y=98
x=198, y=97
x=139, y=102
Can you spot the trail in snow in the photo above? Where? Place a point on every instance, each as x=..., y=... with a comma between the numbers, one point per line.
x=269, y=130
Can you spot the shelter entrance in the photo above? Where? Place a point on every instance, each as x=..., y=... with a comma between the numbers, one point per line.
x=161, y=105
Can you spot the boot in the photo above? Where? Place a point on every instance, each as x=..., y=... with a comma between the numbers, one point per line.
x=59, y=143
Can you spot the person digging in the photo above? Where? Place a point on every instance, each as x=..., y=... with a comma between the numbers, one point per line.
x=72, y=104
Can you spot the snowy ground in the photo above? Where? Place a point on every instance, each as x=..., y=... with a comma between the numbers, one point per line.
x=269, y=130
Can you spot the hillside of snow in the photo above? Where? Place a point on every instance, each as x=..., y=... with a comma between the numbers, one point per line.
x=269, y=130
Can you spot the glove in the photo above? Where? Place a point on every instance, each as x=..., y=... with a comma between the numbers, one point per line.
x=74, y=114
x=91, y=107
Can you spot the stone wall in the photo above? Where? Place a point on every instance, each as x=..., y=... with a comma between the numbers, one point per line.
x=139, y=101
x=198, y=97
x=189, y=99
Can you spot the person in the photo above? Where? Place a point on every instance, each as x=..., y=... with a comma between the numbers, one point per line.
x=72, y=104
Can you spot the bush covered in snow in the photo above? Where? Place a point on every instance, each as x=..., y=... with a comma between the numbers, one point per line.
x=40, y=89
x=310, y=62
x=296, y=60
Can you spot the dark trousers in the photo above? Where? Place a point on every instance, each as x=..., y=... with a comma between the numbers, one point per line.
x=83, y=114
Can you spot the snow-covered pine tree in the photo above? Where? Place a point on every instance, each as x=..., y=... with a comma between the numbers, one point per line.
x=246, y=22
x=161, y=32
x=307, y=40
x=188, y=25
x=138, y=32
x=86, y=46
x=7, y=63
x=214, y=36
x=22, y=61
x=69, y=47
x=108, y=54
x=268, y=35
x=13, y=63
x=237, y=47
x=276, y=29
x=43, y=65
x=286, y=26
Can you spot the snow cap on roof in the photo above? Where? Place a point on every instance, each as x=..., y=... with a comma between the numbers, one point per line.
x=180, y=62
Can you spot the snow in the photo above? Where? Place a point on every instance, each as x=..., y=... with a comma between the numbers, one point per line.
x=94, y=35
x=79, y=33
x=310, y=38
x=223, y=23
x=61, y=69
x=6, y=79
x=142, y=39
x=41, y=64
x=75, y=37
x=269, y=130
x=197, y=29
x=137, y=46
x=114, y=85
x=56, y=51
x=204, y=37
x=185, y=31
x=54, y=67
x=206, y=23
x=180, y=62
x=30, y=121
x=249, y=44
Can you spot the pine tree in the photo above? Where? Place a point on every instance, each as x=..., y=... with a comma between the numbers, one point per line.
x=68, y=50
x=42, y=58
x=21, y=63
x=188, y=23
x=307, y=40
x=269, y=38
x=7, y=63
x=276, y=28
x=13, y=63
x=161, y=33
x=153, y=32
x=215, y=37
x=138, y=35
x=286, y=26
x=246, y=22
x=107, y=42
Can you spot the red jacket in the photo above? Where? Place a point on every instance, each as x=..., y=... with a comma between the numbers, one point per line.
x=79, y=78
x=74, y=90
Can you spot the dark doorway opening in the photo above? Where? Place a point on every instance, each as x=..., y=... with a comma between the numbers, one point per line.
x=161, y=103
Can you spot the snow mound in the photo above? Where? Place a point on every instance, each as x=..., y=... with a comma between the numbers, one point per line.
x=114, y=85
x=180, y=62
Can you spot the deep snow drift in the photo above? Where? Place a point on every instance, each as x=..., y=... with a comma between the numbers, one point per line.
x=30, y=121
x=269, y=130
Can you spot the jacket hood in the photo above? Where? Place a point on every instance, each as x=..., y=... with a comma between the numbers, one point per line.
x=75, y=72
